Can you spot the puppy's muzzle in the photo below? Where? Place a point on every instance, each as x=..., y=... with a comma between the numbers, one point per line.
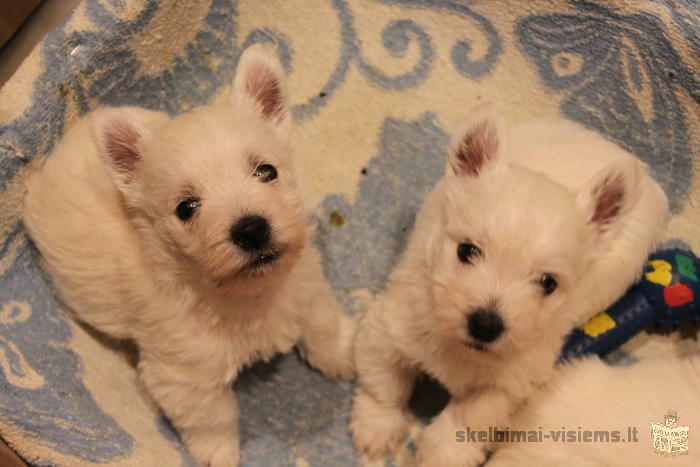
x=251, y=233
x=484, y=325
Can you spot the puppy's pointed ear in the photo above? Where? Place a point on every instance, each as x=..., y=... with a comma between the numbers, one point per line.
x=260, y=82
x=480, y=146
x=609, y=195
x=118, y=138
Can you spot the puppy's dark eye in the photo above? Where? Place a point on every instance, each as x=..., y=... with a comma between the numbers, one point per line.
x=186, y=209
x=548, y=283
x=266, y=172
x=466, y=252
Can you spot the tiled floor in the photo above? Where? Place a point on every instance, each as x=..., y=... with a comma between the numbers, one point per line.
x=45, y=17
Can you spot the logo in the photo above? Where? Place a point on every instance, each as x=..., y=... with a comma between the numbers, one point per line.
x=669, y=438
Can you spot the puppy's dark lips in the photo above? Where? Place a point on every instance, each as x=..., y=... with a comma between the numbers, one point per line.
x=265, y=258
x=261, y=263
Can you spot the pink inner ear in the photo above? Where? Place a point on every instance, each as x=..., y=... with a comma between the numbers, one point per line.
x=478, y=146
x=121, y=145
x=609, y=196
x=264, y=87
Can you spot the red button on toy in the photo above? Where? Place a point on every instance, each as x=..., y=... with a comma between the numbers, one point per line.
x=677, y=295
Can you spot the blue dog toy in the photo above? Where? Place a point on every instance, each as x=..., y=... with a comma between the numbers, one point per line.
x=668, y=295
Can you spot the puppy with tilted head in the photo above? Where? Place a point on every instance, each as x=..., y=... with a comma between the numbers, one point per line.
x=530, y=232
x=189, y=236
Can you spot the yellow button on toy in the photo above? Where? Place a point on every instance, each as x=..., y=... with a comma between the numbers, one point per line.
x=661, y=273
x=599, y=324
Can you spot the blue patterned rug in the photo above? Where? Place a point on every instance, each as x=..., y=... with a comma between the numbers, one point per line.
x=377, y=87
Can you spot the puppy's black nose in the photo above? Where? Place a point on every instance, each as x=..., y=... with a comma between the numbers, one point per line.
x=251, y=233
x=485, y=325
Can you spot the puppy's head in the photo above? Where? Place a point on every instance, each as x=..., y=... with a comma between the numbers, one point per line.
x=215, y=187
x=509, y=253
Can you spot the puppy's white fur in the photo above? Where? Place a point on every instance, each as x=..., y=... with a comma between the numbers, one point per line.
x=543, y=198
x=595, y=396
x=102, y=212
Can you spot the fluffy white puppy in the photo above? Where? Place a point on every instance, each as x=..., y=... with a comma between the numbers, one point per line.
x=592, y=396
x=530, y=232
x=189, y=235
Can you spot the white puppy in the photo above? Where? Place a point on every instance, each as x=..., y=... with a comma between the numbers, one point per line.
x=592, y=396
x=530, y=232
x=189, y=236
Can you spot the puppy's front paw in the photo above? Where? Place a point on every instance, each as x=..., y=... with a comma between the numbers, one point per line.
x=377, y=430
x=438, y=447
x=211, y=451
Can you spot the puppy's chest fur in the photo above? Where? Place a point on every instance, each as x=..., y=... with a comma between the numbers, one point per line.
x=219, y=335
